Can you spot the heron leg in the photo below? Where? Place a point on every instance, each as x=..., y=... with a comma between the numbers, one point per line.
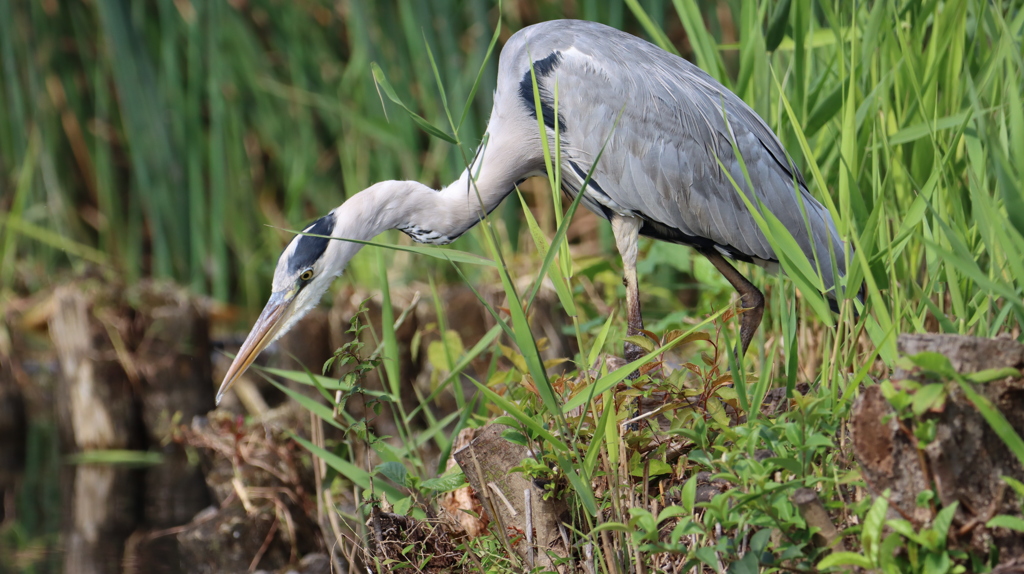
x=750, y=297
x=627, y=232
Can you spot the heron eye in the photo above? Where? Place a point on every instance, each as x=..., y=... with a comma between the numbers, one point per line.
x=306, y=275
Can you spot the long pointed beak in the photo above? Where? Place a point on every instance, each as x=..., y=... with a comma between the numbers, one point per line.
x=271, y=320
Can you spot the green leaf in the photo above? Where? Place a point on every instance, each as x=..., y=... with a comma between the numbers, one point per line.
x=395, y=471
x=524, y=419
x=996, y=419
x=480, y=72
x=937, y=561
x=871, y=533
x=685, y=527
x=746, y=565
x=819, y=39
x=707, y=555
x=449, y=255
x=642, y=341
x=936, y=363
x=705, y=47
x=818, y=440
x=48, y=237
x=515, y=437
x=652, y=29
x=445, y=482
x=826, y=109
x=759, y=541
x=602, y=336
x=402, y=506
x=381, y=80
x=672, y=512
x=944, y=519
x=438, y=352
x=117, y=457
x=844, y=559
x=906, y=529
x=689, y=494
x=594, y=448
x=928, y=129
x=777, y=25
x=437, y=79
x=928, y=397
x=455, y=374
x=1006, y=521
x=583, y=489
x=788, y=463
x=521, y=332
x=989, y=375
x=612, y=526
x=800, y=268
x=658, y=467
x=307, y=378
x=1015, y=484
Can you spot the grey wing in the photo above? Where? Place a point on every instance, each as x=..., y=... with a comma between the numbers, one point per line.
x=670, y=145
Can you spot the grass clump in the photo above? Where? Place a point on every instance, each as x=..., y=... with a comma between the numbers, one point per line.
x=884, y=118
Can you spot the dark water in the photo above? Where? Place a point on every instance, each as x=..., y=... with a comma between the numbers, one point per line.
x=30, y=518
x=59, y=516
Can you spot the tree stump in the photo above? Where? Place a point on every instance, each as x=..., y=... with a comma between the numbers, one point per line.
x=965, y=461
x=514, y=501
x=168, y=334
x=94, y=400
x=133, y=363
x=149, y=344
x=462, y=506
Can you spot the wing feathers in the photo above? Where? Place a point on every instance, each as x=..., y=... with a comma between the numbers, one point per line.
x=662, y=161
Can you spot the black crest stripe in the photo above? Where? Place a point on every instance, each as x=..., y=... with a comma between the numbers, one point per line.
x=541, y=68
x=308, y=249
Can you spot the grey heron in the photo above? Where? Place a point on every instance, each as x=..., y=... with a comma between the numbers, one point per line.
x=671, y=131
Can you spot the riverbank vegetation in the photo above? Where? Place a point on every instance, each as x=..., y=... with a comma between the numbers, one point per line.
x=161, y=139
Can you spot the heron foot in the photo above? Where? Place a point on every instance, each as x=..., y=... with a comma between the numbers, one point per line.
x=752, y=309
x=751, y=299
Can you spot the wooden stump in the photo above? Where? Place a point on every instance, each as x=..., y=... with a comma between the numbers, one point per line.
x=169, y=345
x=965, y=461
x=95, y=398
x=95, y=411
x=140, y=357
x=462, y=506
x=134, y=363
x=514, y=501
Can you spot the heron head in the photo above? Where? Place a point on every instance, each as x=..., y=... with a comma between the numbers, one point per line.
x=305, y=270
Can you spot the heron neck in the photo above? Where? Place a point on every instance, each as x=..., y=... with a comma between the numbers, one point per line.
x=437, y=216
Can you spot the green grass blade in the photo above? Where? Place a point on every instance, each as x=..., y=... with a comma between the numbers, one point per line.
x=358, y=476
x=651, y=28
x=382, y=82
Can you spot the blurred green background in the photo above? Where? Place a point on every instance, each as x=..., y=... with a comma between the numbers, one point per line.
x=159, y=137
